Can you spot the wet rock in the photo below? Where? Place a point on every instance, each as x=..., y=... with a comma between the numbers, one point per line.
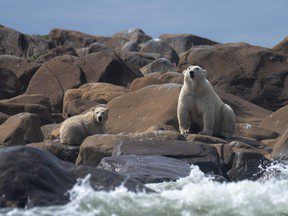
x=34, y=103
x=54, y=77
x=253, y=73
x=22, y=68
x=147, y=169
x=37, y=178
x=20, y=129
x=58, y=51
x=161, y=65
x=61, y=151
x=183, y=42
x=248, y=165
x=162, y=48
x=277, y=121
x=280, y=150
x=9, y=84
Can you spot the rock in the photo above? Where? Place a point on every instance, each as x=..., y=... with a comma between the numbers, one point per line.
x=116, y=42
x=203, y=155
x=58, y=51
x=277, y=121
x=22, y=68
x=254, y=131
x=3, y=117
x=61, y=151
x=37, y=178
x=20, y=129
x=204, y=139
x=183, y=42
x=282, y=46
x=54, y=77
x=280, y=150
x=15, y=43
x=147, y=169
x=9, y=84
x=78, y=100
x=156, y=104
x=106, y=66
x=156, y=79
x=162, y=48
x=136, y=60
x=135, y=35
x=97, y=47
x=48, y=129
x=161, y=65
x=82, y=51
x=239, y=146
x=37, y=104
x=253, y=73
x=248, y=166
x=131, y=46
x=75, y=39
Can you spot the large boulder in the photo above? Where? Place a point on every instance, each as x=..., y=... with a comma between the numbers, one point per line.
x=280, y=150
x=161, y=65
x=183, y=42
x=163, y=49
x=22, y=68
x=54, y=77
x=131, y=46
x=253, y=73
x=16, y=43
x=75, y=39
x=9, y=84
x=3, y=117
x=30, y=177
x=147, y=169
x=282, y=46
x=58, y=51
x=277, y=121
x=78, y=100
x=135, y=35
x=138, y=110
x=20, y=129
x=106, y=66
x=34, y=103
x=137, y=60
x=97, y=47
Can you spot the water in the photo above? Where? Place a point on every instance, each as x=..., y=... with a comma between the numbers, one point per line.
x=193, y=195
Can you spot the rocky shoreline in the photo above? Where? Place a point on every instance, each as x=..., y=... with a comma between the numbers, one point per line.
x=44, y=80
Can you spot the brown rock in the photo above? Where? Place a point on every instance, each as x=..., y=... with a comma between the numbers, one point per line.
x=3, y=117
x=75, y=39
x=58, y=51
x=61, y=151
x=253, y=73
x=162, y=48
x=277, y=121
x=22, y=68
x=116, y=42
x=97, y=47
x=138, y=110
x=137, y=60
x=161, y=65
x=54, y=77
x=9, y=84
x=131, y=46
x=20, y=129
x=135, y=35
x=183, y=42
x=204, y=139
x=254, y=131
x=282, y=46
x=48, y=129
x=280, y=150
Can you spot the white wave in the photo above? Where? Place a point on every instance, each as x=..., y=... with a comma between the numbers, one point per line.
x=193, y=195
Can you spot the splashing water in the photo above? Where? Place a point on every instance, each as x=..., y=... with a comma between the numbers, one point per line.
x=192, y=195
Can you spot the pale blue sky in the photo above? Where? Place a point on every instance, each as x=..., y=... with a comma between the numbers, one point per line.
x=258, y=22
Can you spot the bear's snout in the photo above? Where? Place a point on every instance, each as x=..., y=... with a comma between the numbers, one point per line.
x=192, y=74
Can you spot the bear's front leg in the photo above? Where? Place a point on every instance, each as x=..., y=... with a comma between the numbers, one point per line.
x=208, y=122
x=183, y=120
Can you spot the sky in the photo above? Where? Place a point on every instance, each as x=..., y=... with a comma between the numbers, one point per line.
x=258, y=22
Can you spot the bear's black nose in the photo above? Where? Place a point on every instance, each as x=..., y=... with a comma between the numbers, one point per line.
x=192, y=74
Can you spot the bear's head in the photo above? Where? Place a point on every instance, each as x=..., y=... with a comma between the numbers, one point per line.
x=100, y=114
x=194, y=74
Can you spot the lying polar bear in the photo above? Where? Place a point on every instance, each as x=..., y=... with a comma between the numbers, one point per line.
x=74, y=130
x=199, y=103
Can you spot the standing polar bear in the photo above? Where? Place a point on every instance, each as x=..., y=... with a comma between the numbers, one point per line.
x=74, y=130
x=199, y=103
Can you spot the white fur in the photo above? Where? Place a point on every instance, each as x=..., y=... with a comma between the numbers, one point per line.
x=74, y=130
x=199, y=103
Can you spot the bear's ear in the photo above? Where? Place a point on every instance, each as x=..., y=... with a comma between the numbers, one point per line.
x=205, y=73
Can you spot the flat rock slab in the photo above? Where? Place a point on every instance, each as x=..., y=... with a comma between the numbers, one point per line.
x=147, y=169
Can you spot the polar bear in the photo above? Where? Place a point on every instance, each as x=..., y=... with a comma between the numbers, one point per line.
x=74, y=130
x=198, y=103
